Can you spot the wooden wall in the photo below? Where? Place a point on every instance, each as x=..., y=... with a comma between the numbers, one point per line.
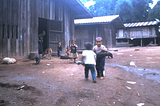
x=19, y=24
x=84, y=34
x=88, y=33
x=139, y=32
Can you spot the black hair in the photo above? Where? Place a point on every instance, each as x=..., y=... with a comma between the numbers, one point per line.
x=73, y=40
x=88, y=45
x=43, y=32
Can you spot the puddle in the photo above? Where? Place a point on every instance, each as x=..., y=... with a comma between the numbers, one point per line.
x=153, y=74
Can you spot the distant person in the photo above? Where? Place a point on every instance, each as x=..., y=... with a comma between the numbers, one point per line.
x=40, y=42
x=59, y=49
x=89, y=58
x=73, y=53
x=100, y=62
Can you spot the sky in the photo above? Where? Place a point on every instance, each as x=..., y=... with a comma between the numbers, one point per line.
x=154, y=3
x=91, y=2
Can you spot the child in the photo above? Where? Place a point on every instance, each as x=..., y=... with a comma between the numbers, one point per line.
x=100, y=62
x=59, y=49
x=68, y=51
x=89, y=58
x=73, y=48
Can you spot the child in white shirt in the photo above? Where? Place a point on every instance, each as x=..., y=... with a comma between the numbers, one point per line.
x=89, y=58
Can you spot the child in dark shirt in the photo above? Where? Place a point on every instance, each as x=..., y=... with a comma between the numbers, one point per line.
x=59, y=49
x=73, y=54
x=100, y=62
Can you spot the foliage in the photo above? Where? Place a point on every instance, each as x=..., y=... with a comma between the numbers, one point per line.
x=154, y=13
x=129, y=10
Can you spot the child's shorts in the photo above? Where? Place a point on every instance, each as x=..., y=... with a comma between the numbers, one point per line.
x=73, y=55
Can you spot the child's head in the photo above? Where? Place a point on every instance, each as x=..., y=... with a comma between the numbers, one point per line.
x=88, y=46
x=68, y=48
x=43, y=33
x=98, y=41
x=59, y=43
x=74, y=41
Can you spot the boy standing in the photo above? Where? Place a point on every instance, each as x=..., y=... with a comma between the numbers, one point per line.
x=89, y=59
x=100, y=62
x=73, y=53
x=59, y=49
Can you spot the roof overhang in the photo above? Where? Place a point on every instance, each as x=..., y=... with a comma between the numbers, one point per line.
x=141, y=24
x=78, y=9
x=114, y=19
x=118, y=24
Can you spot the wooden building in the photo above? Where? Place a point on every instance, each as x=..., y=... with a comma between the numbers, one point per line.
x=139, y=34
x=22, y=20
x=86, y=30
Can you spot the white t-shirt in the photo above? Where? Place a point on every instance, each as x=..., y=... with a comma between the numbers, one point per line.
x=98, y=50
x=90, y=57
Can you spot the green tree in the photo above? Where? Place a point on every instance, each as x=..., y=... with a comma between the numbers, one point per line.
x=125, y=9
x=140, y=9
x=154, y=13
x=129, y=10
x=103, y=7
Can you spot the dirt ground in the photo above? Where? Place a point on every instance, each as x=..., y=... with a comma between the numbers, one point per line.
x=57, y=82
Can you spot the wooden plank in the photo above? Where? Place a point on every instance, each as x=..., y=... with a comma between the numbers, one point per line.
x=57, y=10
x=35, y=30
x=31, y=23
x=4, y=11
x=9, y=31
x=42, y=9
x=1, y=12
x=24, y=32
x=66, y=27
x=28, y=27
x=61, y=11
x=1, y=46
x=4, y=30
x=15, y=18
x=17, y=41
x=4, y=44
x=46, y=11
x=47, y=8
x=52, y=9
x=19, y=28
x=39, y=7
x=9, y=5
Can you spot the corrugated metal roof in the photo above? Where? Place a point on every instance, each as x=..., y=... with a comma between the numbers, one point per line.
x=138, y=24
x=103, y=19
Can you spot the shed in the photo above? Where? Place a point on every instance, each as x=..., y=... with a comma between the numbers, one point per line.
x=139, y=34
x=22, y=20
x=86, y=30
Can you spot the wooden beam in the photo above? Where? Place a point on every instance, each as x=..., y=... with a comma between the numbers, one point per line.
x=4, y=30
x=1, y=12
x=28, y=26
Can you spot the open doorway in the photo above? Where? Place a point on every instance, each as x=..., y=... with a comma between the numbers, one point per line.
x=53, y=36
x=43, y=27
